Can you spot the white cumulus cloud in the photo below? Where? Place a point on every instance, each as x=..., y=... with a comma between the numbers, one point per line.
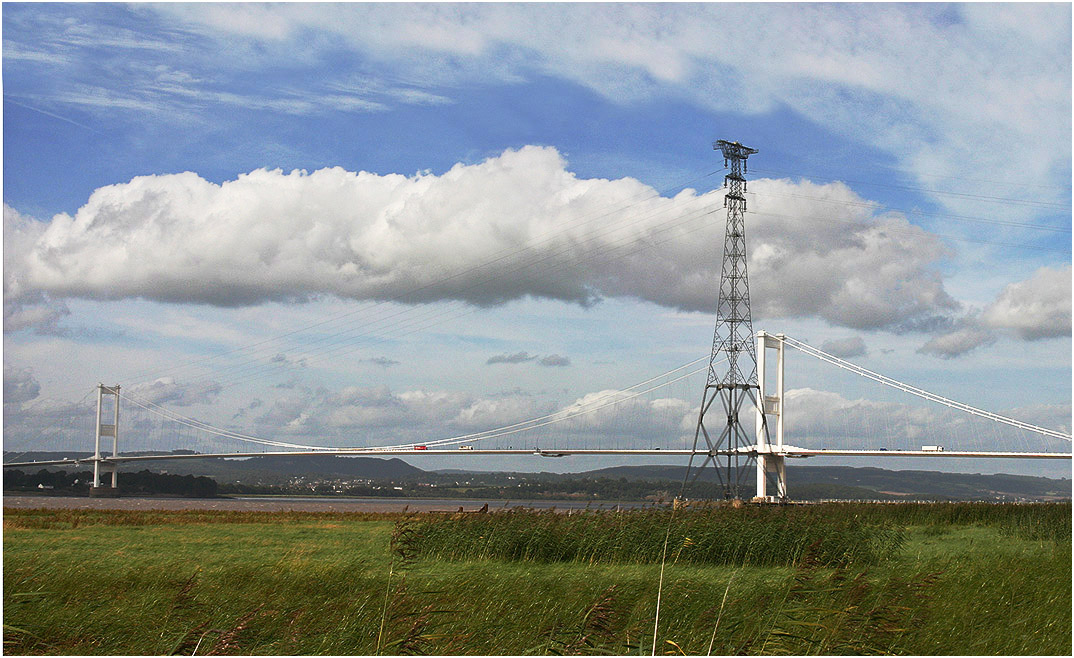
x=518, y=224
x=1036, y=308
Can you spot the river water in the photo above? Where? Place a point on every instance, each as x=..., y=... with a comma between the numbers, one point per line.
x=302, y=504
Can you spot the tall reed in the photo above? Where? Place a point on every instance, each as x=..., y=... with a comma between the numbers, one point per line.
x=752, y=536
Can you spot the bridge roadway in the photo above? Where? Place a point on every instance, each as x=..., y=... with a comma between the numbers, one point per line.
x=787, y=451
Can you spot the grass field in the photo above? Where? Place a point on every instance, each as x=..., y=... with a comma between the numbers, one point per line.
x=825, y=579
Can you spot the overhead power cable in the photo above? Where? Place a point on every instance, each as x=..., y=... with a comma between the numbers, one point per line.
x=871, y=205
x=548, y=237
x=614, y=228
x=946, y=236
x=964, y=195
x=1033, y=247
x=411, y=316
x=408, y=317
x=441, y=281
x=154, y=408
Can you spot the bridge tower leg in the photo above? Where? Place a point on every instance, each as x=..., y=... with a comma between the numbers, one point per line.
x=771, y=462
x=101, y=465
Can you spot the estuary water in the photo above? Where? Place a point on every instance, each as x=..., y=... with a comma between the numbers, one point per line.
x=305, y=504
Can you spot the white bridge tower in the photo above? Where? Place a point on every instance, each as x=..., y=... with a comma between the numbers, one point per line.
x=771, y=460
x=101, y=465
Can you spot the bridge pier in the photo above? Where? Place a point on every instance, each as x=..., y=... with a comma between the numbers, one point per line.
x=771, y=466
x=770, y=460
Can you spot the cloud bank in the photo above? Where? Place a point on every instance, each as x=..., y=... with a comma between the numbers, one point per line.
x=515, y=225
x=854, y=69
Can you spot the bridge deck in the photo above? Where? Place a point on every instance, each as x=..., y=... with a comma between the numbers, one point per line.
x=791, y=452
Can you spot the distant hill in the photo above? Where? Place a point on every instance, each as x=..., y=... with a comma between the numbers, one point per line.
x=374, y=468
x=275, y=467
x=812, y=482
x=805, y=482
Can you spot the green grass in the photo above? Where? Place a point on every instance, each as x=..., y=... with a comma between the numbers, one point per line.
x=962, y=579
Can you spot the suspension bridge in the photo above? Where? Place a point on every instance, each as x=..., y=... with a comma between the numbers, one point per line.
x=746, y=425
x=584, y=429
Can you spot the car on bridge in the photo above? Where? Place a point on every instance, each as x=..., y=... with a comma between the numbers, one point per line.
x=466, y=447
x=421, y=447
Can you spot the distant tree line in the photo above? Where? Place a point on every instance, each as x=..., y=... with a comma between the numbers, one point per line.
x=489, y=486
x=497, y=486
x=485, y=486
x=140, y=483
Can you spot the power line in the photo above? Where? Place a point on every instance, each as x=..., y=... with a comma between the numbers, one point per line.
x=609, y=250
x=499, y=257
x=919, y=174
x=409, y=316
x=946, y=236
x=919, y=213
x=979, y=197
x=413, y=318
x=415, y=322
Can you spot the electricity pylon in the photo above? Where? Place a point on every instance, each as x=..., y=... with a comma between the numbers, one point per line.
x=732, y=376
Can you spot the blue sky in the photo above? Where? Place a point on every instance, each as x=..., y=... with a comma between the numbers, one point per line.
x=183, y=181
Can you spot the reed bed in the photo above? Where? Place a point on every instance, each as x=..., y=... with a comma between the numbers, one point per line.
x=1033, y=521
x=968, y=579
x=718, y=536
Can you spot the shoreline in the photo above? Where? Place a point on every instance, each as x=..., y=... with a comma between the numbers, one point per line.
x=301, y=504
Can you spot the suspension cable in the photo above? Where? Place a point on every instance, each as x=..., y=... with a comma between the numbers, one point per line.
x=154, y=408
x=555, y=417
x=532, y=423
x=913, y=390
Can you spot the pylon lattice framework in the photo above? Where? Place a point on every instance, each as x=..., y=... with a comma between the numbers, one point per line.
x=733, y=340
